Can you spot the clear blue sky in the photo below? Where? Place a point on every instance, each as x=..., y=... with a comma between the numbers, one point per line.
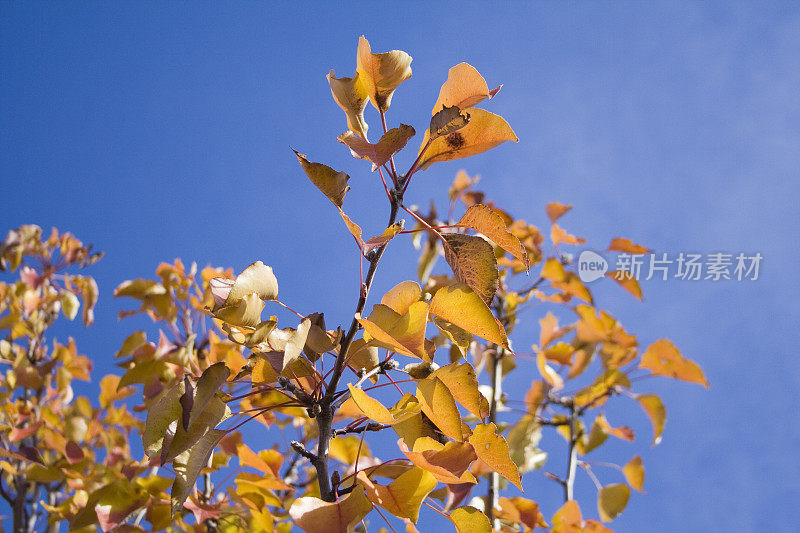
x=162, y=130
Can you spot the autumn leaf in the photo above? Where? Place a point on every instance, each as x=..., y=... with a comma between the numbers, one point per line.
x=486, y=220
x=464, y=88
x=379, y=153
x=403, y=496
x=634, y=473
x=333, y=184
x=493, y=450
x=626, y=246
x=470, y=520
x=448, y=120
x=449, y=463
x=556, y=210
x=400, y=297
x=523, y=441
x=627, y=282
x=188, y=466
x=568, y=519
x=439, y=404
x=459, y=305
x=313, y=515
x=483, y=132
x=611, y=501
x=655, y=410
x=404, y=409
x=521, y=511
x=463, y=384
x=552, y=377
x=662, y=358
x=351, y=96
x=381, y=73
x=374, y=242
x=473, y=262
x=559, y=236
x=403, y=334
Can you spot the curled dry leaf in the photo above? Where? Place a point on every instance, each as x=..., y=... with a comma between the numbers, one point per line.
x=379, y=153
x=382, y=73
x=448, y=120
x=486, y=220
x=333, y=184
x=351, y=96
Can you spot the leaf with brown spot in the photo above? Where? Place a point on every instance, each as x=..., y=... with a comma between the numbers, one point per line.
x=333, y=184
x=473, y=262
x=483, y=132
x=447, y=121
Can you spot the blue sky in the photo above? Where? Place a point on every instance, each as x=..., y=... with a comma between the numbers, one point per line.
x=157, y=131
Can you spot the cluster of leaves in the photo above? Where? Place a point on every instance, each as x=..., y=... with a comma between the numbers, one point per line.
x=425, y=365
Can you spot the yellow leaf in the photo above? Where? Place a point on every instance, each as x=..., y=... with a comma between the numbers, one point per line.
x=546, y=371
x=464, y=88
x=463, y=384
x=473, y=262
x=256, y=278
x=634, y=473
x=438, y=404
x=470, y=520
x=332, y=184
x=627, y=282
x=662, y=358
x=362, y=356
x=486, y=220
x=484, y=132
x=449, y=463
x=493, y=450
x=556, y=210
x=568, y=519
x=626, y=246
x=403, y=496
x=611, y=500
x=405, y=408
x=601, y=386
x=348, y=449
x=379, y=153
x=351, y=96
x=313, y=515
x=382, y=73
x=404, y=334
x=401, y=296
x=459, y=305
x=558, y=235
x=655, y=410
x=521, y=511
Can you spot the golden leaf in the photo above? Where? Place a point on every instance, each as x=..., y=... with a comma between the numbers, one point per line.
x=626, y=246
x=662, y=358
x=379, y=153
x=439, y=404
x=634, y=473
x=493, y=450
x=404, y=334
x=313, y=515
x=556, y=210
x=627, y=282
x=655, y=410
x=470, y=520
x=473, y=262
x=464, y=88
x=401, y=296
x=405, y=408
x=382, y=73
x=403, y=496
x=351, y=96
x=486, y=220
x=459, y=305
x=333, y=184
x=568, y=519
x=611, y=500
x=484, y=132
x=449, y=463
x=521, y=511
x=463, y=384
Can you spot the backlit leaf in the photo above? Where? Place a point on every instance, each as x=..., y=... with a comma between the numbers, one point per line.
x=379, y=153
x=313, y=515
x=486, y=220
x=473, y=262
x=403, y=496
x=382, y=73
x=405, y=408
x=351, y=96
x=634, y=473
x=654, y=408
x=556, y=210
x=483, y=132
x=333, y=184
x=439, y=404
x=493, y=450
x=463, y=384
x=459, y=305
x=188, y=466
x=403, y=334
x=465, y=87
x=449, y=463
x=626, y=246
x=401, y=296
x=611, y=501
x=521, y=511
x=470, y=520
x=662, y=358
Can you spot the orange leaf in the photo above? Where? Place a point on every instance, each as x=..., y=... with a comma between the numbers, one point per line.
x=464, y=88
x=403, y=334
x=382, y=73
x=662, y=358
x=626, y=246
x=628, y=283
x=484, y=219
x=556, y=210
x=313, y=515
x=379, y=153
x=449, y=463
